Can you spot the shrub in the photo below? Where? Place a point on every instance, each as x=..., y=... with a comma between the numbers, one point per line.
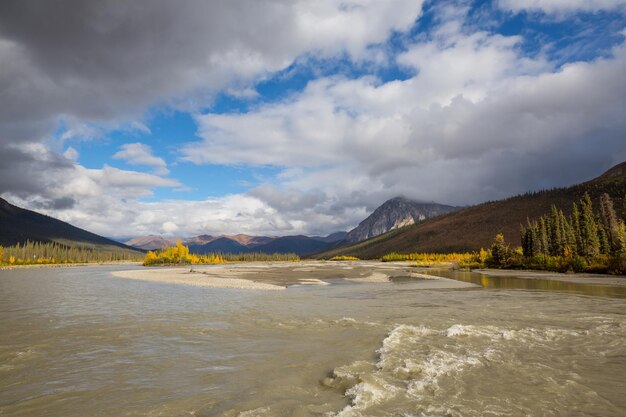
x=344, y=258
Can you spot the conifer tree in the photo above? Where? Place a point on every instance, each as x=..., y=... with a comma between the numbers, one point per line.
x=556, y=233
x=528, y=240
x=499, y=250
x=543, y=235
x=611, y=224
x=575, y=222
x=603, y=239
x=588, y=228
x=569, y=238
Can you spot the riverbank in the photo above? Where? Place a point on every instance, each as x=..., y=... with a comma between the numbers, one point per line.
x=281, y=275
x=68, y=265
x=578, y=278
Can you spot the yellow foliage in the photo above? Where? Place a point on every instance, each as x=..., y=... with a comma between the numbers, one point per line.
x=344, y=258
x=12, y=260
x=568, y=252
x=483, y=255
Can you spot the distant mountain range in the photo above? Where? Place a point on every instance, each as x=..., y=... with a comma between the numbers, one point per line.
x=204, y=244
x=18, y=225
x=472, y=228
x=394, y=213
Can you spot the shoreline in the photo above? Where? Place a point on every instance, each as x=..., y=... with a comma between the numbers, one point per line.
x=68, y=265
x=577, y=278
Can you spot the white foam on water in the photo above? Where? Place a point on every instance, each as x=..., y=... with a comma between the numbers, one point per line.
x=372, y=390
x=257, y=412
x=429, y=369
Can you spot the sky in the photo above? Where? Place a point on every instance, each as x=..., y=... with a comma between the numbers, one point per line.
x=284, y=117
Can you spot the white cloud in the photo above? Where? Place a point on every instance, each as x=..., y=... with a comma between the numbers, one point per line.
x=141, y=154
x=71, y=154
x=243, y=93
x=561, y=6
x=478, y=117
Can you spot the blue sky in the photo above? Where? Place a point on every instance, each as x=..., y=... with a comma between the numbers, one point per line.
x=303, y=117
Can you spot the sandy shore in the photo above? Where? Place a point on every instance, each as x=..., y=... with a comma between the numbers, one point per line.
x=600, y=279
x=274, y=276
x=186, y=276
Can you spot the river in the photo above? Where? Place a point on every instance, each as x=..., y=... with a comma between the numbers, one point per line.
x=80, y=342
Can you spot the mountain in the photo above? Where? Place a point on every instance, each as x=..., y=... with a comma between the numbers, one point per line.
x=241, y=243
x=472, y=228
x=150, y=242
x=333, y=237
x=393, y=214
x=220, y=245
x=248, y=240
x=198, y=240
x=17, y=225
x=300, y=245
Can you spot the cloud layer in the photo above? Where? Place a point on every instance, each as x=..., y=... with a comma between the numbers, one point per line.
x=475, y=116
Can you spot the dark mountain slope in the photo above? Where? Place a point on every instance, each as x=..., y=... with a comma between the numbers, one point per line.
x=474, y=227
x=17, y=225
x=300, y=245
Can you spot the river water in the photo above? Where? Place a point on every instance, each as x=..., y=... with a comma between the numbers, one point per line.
x=79, y=342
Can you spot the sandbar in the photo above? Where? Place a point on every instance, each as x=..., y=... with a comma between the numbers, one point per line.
x=275, y=276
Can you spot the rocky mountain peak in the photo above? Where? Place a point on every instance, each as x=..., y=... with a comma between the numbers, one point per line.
x=393, y=214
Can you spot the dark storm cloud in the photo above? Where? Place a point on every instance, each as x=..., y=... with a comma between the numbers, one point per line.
x=21, y=170
x=62, y=203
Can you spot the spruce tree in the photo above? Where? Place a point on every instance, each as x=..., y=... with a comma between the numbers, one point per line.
x=569, y=238
x=575, y=222
x=543, y=236
x=588, y=228
x=528, y=239
x=534, y=231
x=556, y=233
x=499, y=250
x=603, y=238
x=611, y=224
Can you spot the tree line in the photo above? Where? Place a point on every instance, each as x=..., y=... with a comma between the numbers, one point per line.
x=30, y=253
x=587, y=239
x=585, y=232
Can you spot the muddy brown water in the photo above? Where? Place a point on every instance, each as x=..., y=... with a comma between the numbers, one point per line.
x=79, y=342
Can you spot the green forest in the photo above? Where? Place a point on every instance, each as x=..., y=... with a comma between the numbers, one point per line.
x=32, y=253
x=588, y=240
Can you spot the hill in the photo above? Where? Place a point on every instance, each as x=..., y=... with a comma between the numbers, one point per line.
x=300, y=245
x=472, y=228
x=220, y=245
x=393, y=214
x=18, y=225
x=150, y=242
